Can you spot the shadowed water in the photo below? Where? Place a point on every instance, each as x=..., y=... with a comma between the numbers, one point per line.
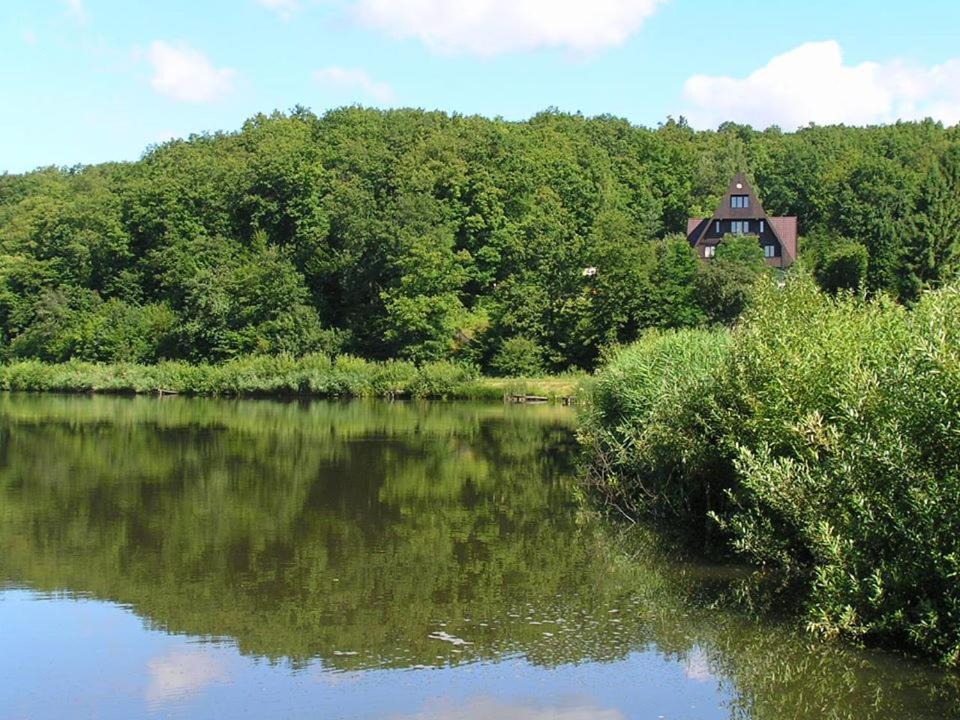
x=207, y=559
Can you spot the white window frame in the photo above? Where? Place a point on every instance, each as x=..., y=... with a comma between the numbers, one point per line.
x=763, y=226
x=769, y=251
x=709, y=251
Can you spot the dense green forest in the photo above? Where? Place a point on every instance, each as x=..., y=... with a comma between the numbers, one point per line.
x=423, y=236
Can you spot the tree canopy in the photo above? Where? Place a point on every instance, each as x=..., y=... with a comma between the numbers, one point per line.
x=426, y=236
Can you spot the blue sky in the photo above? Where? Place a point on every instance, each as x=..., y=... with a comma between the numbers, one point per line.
x=95, y=80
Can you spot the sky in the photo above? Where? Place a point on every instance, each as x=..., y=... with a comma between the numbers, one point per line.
x=85, y=81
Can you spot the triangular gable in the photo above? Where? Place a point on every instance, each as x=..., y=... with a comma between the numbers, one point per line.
x=739, y=186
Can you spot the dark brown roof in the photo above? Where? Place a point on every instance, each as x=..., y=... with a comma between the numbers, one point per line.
x=786, y=230
x=694, y=223
x=739, y=186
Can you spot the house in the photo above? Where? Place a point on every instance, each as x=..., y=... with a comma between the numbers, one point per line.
x=740, y=213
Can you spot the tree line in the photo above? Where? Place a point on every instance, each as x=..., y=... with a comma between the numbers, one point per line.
x=425, y=236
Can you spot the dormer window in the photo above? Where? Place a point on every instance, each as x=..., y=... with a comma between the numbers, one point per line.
x=738, y=202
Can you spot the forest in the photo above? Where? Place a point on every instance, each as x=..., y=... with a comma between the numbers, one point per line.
x=422, y=236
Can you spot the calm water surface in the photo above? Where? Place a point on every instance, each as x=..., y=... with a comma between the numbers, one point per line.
x=215, y=559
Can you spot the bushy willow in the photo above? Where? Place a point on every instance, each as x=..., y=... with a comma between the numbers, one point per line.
x=820, y=437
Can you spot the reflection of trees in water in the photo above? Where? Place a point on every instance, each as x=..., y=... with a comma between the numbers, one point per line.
x=371, y=534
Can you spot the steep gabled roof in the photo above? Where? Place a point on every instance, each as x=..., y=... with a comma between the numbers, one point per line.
x=693, y=224
x=739, y=186
x=783, y=228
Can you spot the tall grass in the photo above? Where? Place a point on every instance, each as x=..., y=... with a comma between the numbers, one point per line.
x=821, y=437
x=310, y=376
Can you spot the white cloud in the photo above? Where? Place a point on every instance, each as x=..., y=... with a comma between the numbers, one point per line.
x=697, y=666
x=187, y=75
x=283, y=8
x=356, y=80
x=491, y=27
x=182, y=673
x=77, y=9
x=811, y=83
x=490, y=709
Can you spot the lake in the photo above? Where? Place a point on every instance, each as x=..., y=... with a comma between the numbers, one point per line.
x=177, y=558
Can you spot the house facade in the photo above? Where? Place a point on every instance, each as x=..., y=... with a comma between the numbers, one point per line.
x=740, y=213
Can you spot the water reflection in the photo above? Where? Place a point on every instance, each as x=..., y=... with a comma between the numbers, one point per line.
x=181, y=673
x=335, y=548
x=492, y=709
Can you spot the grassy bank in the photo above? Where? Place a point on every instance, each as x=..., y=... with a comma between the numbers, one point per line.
x=311, y=376
x=821, y=438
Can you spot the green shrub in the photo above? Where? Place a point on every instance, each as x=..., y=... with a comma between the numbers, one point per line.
x=724, y=285
x=844, y=268
x=849, y=461
x=649, y=429
x=393, y=377
x=441, y=379
x=312, y=375
x=518, y=357
x=833, y=427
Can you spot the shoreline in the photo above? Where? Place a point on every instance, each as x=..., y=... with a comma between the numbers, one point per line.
x=312, y=377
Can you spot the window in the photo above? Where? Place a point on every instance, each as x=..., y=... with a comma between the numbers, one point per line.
x=739, y=201
x=740, y=227
x=709, y=251
x=718, y=227
x=763, y=226
x=769, y=251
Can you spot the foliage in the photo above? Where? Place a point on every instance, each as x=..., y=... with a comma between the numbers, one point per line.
x=830, y=428
x=518, y=357
x=724, y=285
x=648, y=434
x=343, y=376
x=844, y=268
x=423, y=236
x=674, y=282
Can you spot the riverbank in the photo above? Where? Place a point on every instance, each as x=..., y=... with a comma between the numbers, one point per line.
x=312, y=376
x=820, y=438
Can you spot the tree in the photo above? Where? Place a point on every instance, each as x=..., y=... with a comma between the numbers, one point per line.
x=518, y=357
x=674, y=285
x=423, y=311
x=724, y=285
x=934, y=242
x=432, y=236
x=844, y=268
